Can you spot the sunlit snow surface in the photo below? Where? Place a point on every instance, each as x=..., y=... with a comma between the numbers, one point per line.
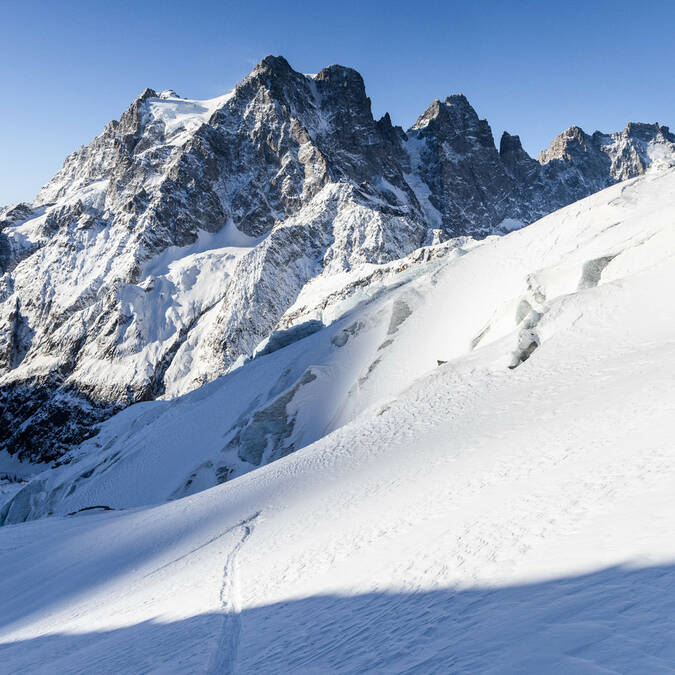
x=509, y=510
x=181, y=117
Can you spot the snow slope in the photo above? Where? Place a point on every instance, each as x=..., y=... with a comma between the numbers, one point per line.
x=505, y=511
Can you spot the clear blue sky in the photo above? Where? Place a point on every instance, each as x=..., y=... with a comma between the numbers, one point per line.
x=532, y=68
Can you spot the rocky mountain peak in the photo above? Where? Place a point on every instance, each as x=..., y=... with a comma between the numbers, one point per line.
x=510, y=145
x=145, y=95
x=272, y=65
x=431, y=113
x=454, y=119
x=603, y=158
x=343, y=91
x=273, y=79
x=460, y=110
x=393, y=132
x=648, y=132
x=342, y=76
x=167, y=94
x=566, y=146
x=522, y=168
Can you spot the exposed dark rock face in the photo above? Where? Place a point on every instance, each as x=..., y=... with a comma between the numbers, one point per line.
x=579, y=164
x=458, y=161
x=285, y=179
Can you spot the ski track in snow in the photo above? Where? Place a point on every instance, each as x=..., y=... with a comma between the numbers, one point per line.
x=223, y=659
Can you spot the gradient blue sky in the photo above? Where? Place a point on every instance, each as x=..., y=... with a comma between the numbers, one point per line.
x=532, y=68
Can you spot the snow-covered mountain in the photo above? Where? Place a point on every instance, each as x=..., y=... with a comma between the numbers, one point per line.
x=482, y=476
x=164, y=253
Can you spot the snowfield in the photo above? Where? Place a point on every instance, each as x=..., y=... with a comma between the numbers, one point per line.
x=469, y=468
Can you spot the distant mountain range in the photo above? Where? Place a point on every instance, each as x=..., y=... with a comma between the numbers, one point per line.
x=191, y=235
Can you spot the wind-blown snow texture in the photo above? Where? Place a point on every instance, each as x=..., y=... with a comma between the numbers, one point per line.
x=508, y=510
x=163, y=253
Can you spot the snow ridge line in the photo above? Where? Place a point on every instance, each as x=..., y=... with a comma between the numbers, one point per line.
x=224, y=657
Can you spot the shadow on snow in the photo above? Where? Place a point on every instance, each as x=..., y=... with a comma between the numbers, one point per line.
x=618, y=619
